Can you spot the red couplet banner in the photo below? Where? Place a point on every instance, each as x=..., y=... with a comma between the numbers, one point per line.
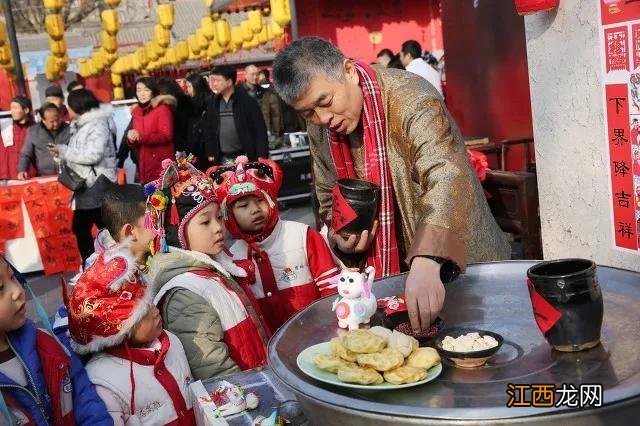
x=618, y=130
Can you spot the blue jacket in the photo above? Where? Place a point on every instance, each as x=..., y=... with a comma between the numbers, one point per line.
x=88, y=408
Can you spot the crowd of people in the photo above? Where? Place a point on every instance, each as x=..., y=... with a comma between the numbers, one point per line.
x=216, y=126
x=193, y=269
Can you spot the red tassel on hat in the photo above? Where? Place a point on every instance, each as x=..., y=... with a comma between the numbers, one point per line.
x=175, y=219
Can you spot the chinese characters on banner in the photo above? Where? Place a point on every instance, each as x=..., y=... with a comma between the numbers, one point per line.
x=48, y=209
x=620, y=32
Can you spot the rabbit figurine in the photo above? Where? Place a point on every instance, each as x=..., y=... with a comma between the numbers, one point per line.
x=357, y=304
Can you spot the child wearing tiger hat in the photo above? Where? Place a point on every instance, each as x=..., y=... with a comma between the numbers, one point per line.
x=289, y=264
x=218, y=323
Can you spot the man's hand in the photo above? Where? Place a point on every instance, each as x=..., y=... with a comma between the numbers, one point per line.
x=424, y=293
x=353, y=244
x=23, y=175
x=53, y=150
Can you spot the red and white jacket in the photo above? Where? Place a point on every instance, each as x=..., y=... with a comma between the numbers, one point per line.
x=245, y=345
x=302, y=270
x=160, y=383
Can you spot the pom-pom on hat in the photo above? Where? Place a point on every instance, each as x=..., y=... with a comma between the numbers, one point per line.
x=261, y=178
x=180, y=193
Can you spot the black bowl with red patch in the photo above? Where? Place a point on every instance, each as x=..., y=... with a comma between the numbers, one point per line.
x=400, y=321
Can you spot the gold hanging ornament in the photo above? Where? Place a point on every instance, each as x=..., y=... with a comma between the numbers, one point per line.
x=165, y=15
x=236, y=37
x=152, y=54
x=171, y=56
x=247, y=33
x=202, y=41
x=141, y=54
x=280, y=12
x=118, y=93
x=263, y=37
x=214, y=49
x=223, y=32
x=276, y=29
x=3, y=34
x=54, y=26
x=116, y=79
x=57, y=47
x=194, y=46
x=109, y=42
x=162, y=36
x=208, y=27
x=110, y=21
x=182, y=51
x=53, y=5
x=255, y=20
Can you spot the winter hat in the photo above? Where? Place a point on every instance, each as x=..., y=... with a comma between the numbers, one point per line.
x=107, y=301
x=261, y=178
x=180, y=193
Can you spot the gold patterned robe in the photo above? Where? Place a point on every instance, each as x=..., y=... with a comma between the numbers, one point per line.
x=441, y=209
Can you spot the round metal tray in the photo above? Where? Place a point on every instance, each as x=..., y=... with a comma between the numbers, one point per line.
x=491, y=296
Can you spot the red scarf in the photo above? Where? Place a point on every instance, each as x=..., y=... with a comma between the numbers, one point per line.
x=383, y=254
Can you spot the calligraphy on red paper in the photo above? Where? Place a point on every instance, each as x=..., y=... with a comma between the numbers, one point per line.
x=617, y=48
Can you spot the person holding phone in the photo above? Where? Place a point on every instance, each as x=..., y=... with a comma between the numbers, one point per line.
x=43, y=136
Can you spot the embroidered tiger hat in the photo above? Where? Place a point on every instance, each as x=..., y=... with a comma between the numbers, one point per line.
x=179, y=194
x=108, y=299
x=261, y=178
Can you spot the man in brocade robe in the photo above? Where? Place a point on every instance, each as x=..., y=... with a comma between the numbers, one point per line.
x=390, y=127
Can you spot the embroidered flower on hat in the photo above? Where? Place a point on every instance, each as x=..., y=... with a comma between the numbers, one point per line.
x=159, y=200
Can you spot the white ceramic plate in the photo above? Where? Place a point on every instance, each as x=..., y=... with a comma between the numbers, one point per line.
x=305, y=363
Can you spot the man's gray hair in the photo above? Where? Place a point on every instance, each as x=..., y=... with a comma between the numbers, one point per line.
x=297, y=64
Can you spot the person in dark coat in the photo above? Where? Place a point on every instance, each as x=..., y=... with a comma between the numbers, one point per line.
x=200, y=92
x=182, y=113
x=50, y=130
x=234, y=122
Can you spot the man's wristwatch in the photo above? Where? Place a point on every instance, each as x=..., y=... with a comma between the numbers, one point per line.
x=449, y=270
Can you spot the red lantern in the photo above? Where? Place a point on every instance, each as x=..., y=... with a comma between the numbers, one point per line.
x=526, y=7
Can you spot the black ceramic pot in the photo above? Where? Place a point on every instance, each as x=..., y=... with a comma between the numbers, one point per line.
x=571, y=286
x=362, y=196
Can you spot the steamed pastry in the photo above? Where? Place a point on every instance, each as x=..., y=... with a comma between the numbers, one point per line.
x=424, y=358
x=405, y=374
x=338, y=348
x=402, y=343
x=364, y=342
x=360, y=375
x=386, y=360
x=330, y=363
x=383, y=332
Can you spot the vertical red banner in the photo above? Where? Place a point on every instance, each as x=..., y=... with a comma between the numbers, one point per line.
x=616, y=42
x=618, y=131
x=635, y=46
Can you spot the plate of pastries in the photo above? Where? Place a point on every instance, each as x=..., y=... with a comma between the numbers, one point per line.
x=377, y=359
